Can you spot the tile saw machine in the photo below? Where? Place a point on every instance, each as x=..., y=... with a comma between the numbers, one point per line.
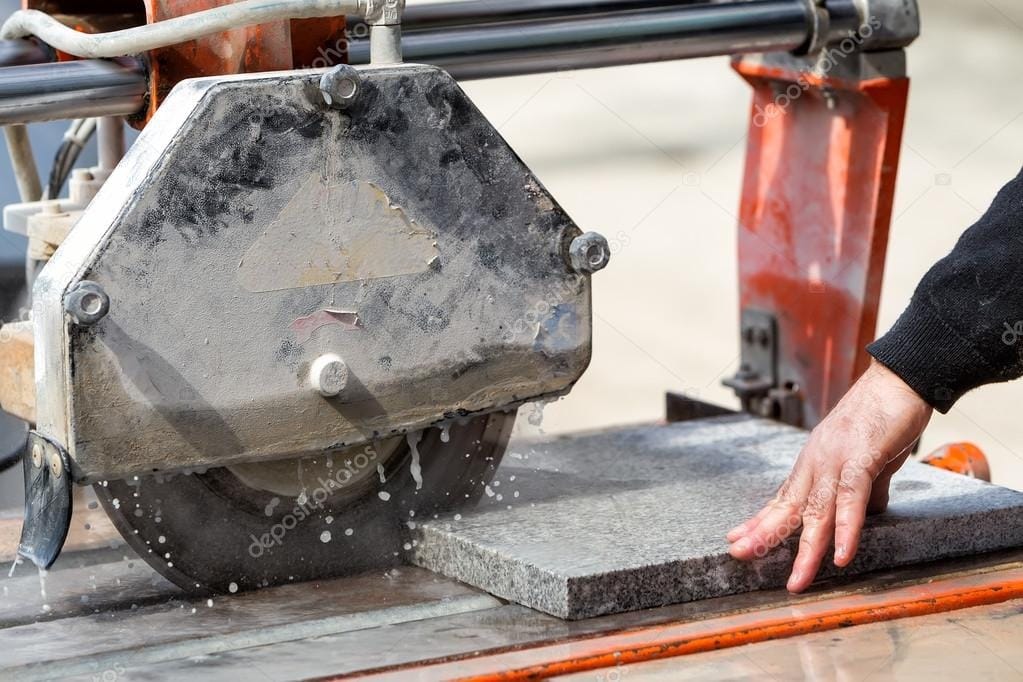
x=313, y=294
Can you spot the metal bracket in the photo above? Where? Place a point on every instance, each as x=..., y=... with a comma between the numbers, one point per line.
x=47, y=501
x=757, y=382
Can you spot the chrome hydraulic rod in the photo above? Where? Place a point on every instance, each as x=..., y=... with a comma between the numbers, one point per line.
x=606, y=39
x=479, y=39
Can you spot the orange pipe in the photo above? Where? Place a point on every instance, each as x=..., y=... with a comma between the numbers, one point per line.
x=659, y=642
x=683, y=638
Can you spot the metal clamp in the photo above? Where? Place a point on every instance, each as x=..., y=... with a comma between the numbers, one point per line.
x=757, y=383
x=384, y=19
x=48, y=502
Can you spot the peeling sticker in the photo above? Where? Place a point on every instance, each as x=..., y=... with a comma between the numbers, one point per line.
x=305, y=327
x=332, y=233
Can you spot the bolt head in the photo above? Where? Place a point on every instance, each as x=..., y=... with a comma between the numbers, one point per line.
x=37, y=455
x=329, y=375
x=56, y=465
x=340, y=86
x=589, y=253
x=86, y=303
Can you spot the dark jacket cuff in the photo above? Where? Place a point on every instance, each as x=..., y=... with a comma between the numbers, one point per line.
x=930, y=357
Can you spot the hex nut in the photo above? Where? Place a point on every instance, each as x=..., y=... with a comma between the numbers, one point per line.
x=86, y=303
x=340, y=86
x=329, y=375
x=589, y=253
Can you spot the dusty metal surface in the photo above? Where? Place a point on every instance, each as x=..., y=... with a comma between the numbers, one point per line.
x=233, y=245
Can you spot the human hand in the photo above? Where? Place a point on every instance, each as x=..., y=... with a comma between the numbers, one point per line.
x=841, y=475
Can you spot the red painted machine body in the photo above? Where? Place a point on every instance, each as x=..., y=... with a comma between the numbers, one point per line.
x=816, y=208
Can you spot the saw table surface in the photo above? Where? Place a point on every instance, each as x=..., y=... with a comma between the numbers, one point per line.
x=102, y=612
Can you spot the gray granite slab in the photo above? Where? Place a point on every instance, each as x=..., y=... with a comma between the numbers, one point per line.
x=635, y=518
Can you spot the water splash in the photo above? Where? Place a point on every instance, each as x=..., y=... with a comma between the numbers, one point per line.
x=445, y=432
x=536, y=416
x=415, y=468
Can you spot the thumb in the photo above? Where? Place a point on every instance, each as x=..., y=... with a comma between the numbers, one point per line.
x=878, y=502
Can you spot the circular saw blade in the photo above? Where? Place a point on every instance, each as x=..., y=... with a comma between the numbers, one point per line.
x=213, y=532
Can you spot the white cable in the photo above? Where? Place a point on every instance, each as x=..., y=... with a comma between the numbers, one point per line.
x=80, y=131
x=131, y=41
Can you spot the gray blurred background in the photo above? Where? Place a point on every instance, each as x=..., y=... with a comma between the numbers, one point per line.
x=652, y=157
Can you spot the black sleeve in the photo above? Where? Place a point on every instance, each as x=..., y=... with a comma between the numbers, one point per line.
x=964, y=326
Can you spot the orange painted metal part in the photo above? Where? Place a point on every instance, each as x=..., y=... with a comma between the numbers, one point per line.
x=250, y=49
x=276, y=46
x=681, y=639
x=318, y=43
x=961, y=458
x=816, y=206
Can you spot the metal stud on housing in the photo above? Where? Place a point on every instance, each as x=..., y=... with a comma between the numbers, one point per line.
x=329, y=375
x=340, y=86
x=589, y=253
x=86, y=303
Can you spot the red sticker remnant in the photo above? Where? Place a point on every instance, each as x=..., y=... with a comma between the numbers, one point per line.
x=304, y=327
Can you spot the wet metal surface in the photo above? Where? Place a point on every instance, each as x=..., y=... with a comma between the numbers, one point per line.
x=981, y=643
x=122, y=630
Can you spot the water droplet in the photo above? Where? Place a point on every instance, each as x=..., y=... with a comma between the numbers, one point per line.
x=414, y=466
x=349, y=531
x=384, y=495
x=325, y=536
x=232, y=588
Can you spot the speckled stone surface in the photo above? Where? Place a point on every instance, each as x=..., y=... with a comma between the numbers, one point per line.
x=635, y=518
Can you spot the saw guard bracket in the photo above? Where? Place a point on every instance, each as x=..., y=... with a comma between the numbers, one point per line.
x=48, y=501
x=821, y=163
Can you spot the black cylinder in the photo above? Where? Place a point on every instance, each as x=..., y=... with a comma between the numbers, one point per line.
x=76, y=89
x=21, y=52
